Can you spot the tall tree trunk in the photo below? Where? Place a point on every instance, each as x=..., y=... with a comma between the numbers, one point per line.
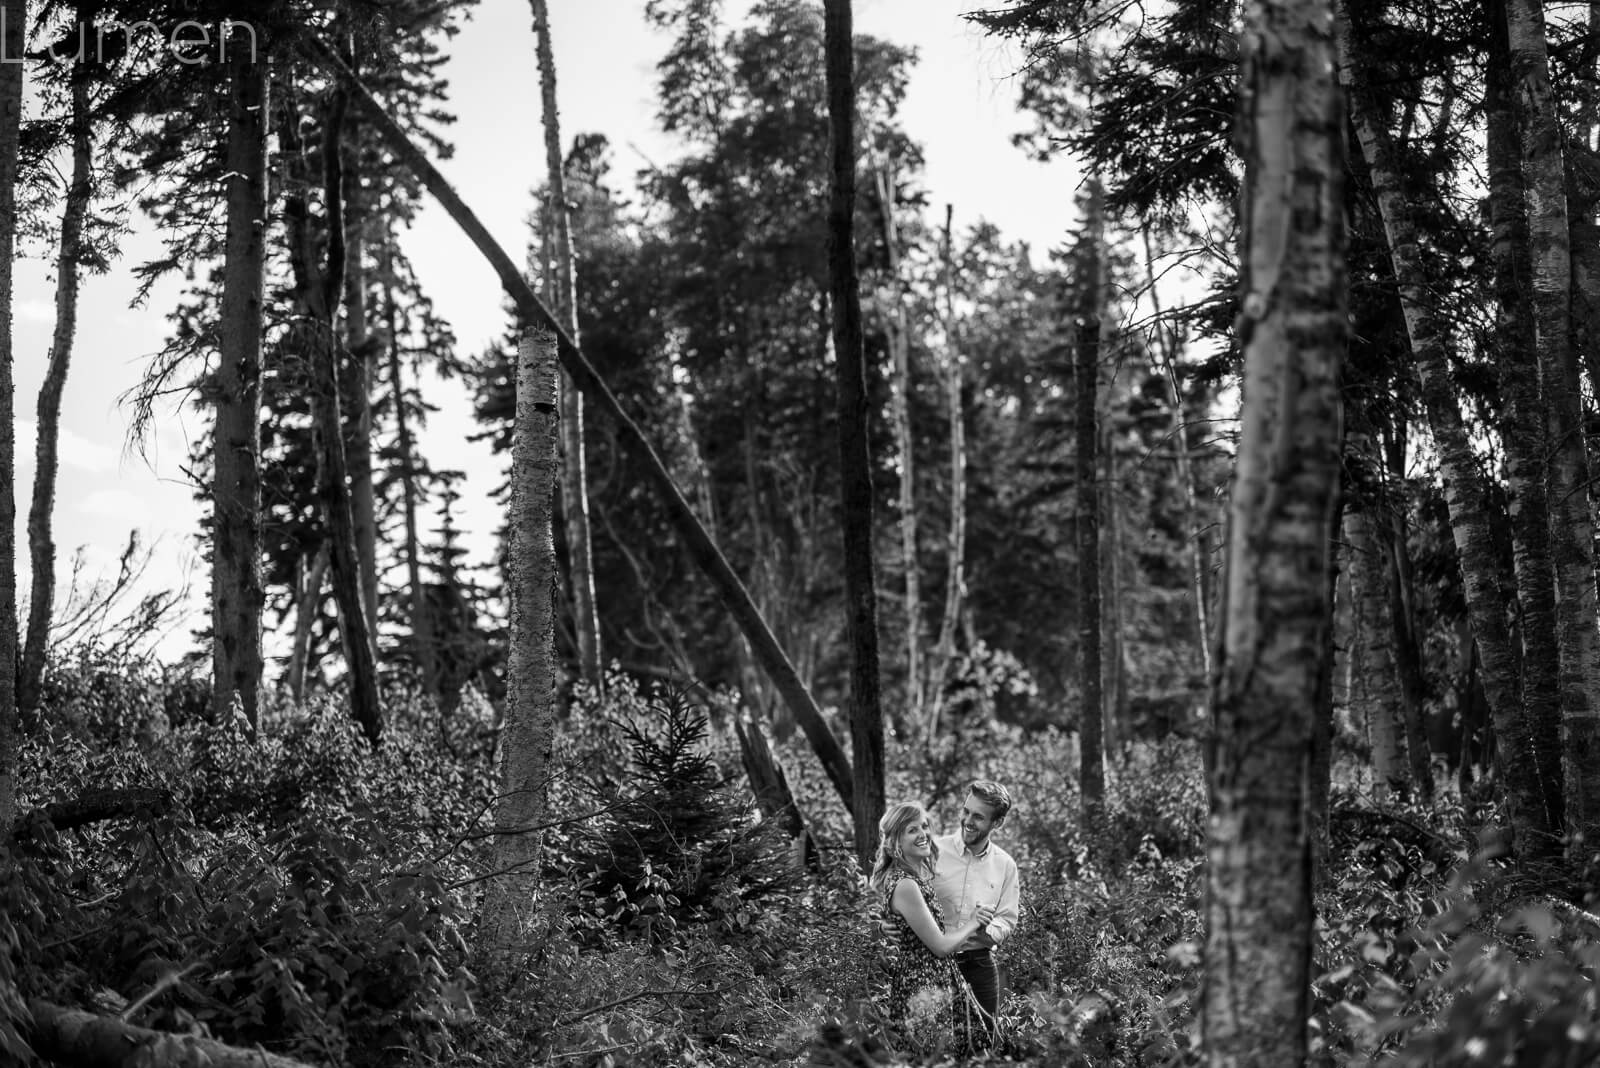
x=1112, y=604
x=309, y=596
x=1571, y=517
x=1085, y=382
x=41, y=546
x=900, y=345
x=528, y=738
x=13, y=39
x=1463, y=485
x=1380, y=680
x=1166, y=349
x=955, y=586
x=236, y=589
x=1523, y=430
x=356, y=386
x=423, y=642
x=1407, y=654
x=319, y=288
x=855, y=459
x=702, y=549
x=574, y=473
x=1292, y=327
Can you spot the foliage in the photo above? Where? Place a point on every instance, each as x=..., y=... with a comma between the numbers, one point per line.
x=679, y=844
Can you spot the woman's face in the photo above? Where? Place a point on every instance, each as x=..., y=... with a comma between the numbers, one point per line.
x=916, y=841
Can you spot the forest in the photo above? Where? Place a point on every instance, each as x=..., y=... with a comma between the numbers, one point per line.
x=1245, y=535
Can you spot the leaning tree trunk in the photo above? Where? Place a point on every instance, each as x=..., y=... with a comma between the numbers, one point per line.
x=575, y=472
x=1086, y=370
x=1463, y=484
x=1276, y=611
x=528, y=736
x=41, y=546
x=13, y=34
x=855, y=458
x=308, y=599
x=1571, y=518
x=236, y=590
x=900, y=345
x=702, y=549
x=1522, y=430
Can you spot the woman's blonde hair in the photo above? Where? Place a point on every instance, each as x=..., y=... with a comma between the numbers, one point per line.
x=899, y=816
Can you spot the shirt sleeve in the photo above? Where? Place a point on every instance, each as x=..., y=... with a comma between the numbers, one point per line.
x=1008, y=910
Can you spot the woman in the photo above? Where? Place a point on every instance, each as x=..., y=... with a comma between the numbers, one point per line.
x=928, y=1000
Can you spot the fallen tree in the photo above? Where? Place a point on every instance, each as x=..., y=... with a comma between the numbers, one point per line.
x=696, y=539
x=81, y=1039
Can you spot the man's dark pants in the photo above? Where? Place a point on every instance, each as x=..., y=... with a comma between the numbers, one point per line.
x=978, y=969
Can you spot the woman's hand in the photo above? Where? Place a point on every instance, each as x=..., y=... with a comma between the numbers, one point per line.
x=982, y=915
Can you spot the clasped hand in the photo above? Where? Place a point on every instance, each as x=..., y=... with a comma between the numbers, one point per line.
x=983, y=914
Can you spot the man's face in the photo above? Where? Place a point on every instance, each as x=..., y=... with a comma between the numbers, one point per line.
x=977, y=820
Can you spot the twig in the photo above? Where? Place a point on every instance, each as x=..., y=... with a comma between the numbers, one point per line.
x=636, y=996
x=167, y=981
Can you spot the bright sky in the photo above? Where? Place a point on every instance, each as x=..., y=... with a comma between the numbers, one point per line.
x=960, y=107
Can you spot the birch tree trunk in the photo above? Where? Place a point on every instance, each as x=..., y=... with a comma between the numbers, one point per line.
x=1166, y=349
x=900, y=345
x=1523, y=431
x=41, y=545
x=1085, y=383
x=1407, y=655
x=575, y=472
x=855, y=460
x=1463, y=484
x=1379, y=680
x=528, y=736
x=1571, y=517
x=1276, y=610
x=955, y=588
x=13, y=38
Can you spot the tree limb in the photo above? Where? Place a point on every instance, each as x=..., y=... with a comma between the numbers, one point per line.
x=81, y=1039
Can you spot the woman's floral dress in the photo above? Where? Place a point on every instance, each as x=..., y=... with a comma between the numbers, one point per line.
x=928, y=1000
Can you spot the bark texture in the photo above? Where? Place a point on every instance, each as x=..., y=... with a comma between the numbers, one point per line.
x=1463, y=482
x=1523, y=430
x=236, y=590
x=1085, y=382
x=1379, y=680
x=1285, y=498
x=41, y=543
x=84, y=1040
x=12, y=42
x=575, y=471
x=702, y=548
x=1571, y=515
x=955, y=585
x=527, y=738
x=855, y=459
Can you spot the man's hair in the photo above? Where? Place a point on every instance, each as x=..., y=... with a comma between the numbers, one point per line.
x=992, y=794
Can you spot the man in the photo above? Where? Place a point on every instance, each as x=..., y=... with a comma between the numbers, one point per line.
x=972, y=871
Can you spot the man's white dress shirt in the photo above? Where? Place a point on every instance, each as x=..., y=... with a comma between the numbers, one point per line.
x=964, y=880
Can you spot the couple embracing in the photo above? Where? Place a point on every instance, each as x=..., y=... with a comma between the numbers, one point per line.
x=948, y=901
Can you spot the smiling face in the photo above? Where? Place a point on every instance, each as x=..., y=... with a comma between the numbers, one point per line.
x=977, y=821
x=915, y=842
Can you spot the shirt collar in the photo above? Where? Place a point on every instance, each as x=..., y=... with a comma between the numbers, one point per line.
x=988, y=844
